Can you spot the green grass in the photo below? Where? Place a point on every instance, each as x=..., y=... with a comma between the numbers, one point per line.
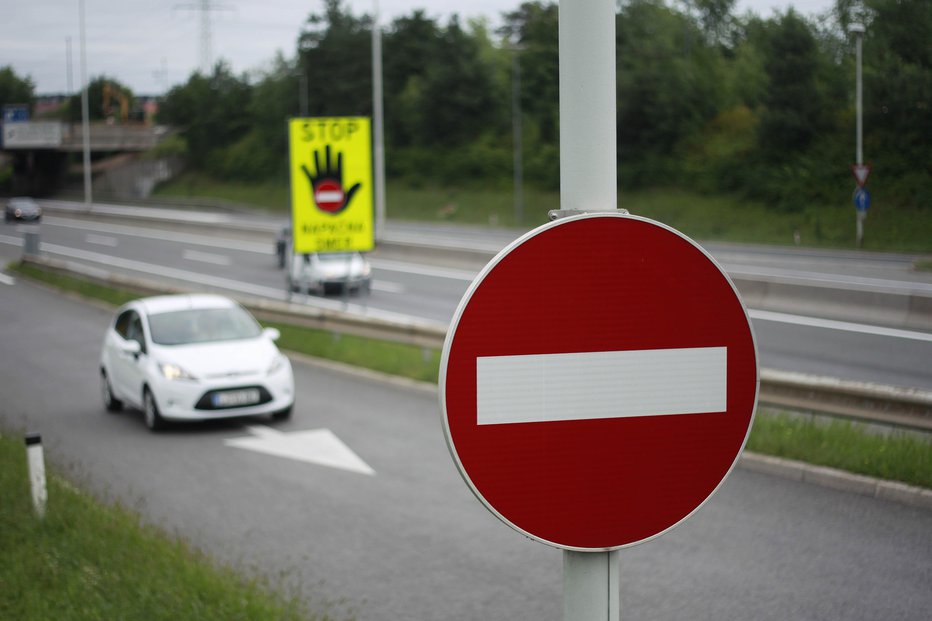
x=86, y=561
x=838, y=444
x=844, y=445
x=703, y=217
x=393, y=358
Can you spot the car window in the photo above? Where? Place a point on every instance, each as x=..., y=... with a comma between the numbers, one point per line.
x=202, y=325
x=121, y=326
x=134, y=330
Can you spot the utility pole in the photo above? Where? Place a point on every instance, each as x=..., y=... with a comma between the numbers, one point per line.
x=857, y=29
x=85, y=127
x=378, y=123
x=516, y=134
x=205, y=7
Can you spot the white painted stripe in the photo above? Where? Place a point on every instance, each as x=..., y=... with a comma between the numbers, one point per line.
x=213, y=282
x=331, y=196
x=172, y=236
x=7, y=280
x=423, y=270
x=845, y=326
x=101, y=240
x=205, y=257
x=610, y=384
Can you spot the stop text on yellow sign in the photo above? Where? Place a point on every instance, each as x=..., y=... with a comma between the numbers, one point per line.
x=331, y=184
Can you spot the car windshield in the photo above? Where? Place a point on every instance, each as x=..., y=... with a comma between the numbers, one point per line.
x=202, y=325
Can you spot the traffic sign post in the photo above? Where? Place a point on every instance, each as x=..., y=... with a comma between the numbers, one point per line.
x=598, y=382
x=612, y=425
x=862, y=202
x=331, y=184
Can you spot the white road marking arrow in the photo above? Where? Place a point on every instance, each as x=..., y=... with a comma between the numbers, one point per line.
x=317, y=446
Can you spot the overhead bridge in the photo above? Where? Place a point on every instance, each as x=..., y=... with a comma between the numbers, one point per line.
x=69, y=137
x=40, y=150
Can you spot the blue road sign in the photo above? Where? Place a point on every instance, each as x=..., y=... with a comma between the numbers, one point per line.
x=862, y=199
x=15, y=113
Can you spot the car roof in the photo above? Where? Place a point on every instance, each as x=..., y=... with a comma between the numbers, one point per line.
x=168, y=303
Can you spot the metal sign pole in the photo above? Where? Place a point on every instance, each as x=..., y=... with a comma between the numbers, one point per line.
x=588, y=183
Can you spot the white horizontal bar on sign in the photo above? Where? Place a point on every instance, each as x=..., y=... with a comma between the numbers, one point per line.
x=610, y=384
x=329, y=196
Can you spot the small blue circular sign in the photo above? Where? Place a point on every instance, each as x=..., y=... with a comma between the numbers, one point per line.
x=862, y=199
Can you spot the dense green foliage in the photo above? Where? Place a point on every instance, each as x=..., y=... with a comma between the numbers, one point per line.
x=14, y=89
x=707, y=100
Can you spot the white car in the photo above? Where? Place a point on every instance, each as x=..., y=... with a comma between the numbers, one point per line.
x=322, y=272
x=193, y=357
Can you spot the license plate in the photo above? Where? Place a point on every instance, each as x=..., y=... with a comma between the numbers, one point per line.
x=233, y=398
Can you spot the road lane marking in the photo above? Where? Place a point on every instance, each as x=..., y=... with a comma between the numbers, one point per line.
x=541, y=388
x=205, y=257
x=318, y=446
x=278, y=294
x=101, y=240
x=178, y=237
x=7, y=280
x=213, y=282
x=845, y=326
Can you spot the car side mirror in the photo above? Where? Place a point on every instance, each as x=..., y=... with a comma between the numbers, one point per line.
x=272, y=333
x=132, y=347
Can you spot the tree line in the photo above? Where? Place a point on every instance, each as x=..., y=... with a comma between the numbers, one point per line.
x=707, y=99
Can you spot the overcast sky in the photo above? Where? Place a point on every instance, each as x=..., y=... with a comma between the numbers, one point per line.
x=150, y=45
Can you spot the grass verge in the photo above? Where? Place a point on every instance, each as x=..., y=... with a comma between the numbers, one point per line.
x=703, y=217
x=844, y=445
x=85, y=561
x=838, y=444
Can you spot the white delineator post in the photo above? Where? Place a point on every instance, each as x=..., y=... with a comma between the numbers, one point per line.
x=36, y=463
x=588, y=182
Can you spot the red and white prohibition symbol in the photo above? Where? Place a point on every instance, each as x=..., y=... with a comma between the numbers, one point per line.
x=329, y=196
x=598, y=381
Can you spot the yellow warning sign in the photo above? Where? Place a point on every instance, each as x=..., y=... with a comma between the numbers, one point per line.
x=331, y=184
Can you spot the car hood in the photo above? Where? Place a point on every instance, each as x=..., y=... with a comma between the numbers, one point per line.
x=224, y=359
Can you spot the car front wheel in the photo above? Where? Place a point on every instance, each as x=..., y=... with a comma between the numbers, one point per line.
x=110, y=402
x=150, y=410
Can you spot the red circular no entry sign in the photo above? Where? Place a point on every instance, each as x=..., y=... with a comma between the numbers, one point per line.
x=598, y=381
x=329, y=196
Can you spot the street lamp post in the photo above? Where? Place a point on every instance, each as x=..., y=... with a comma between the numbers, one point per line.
x=857, y=29
x=516, y=127
x=85, y=128
x=378, y=124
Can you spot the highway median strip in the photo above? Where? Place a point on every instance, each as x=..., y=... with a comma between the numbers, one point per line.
x=898, y=456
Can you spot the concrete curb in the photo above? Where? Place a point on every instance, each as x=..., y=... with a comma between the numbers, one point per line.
x=837, y=479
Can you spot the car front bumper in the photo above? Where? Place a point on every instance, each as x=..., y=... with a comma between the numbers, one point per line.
x=188, y=400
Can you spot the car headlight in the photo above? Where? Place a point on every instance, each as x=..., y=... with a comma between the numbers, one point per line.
x=174, y=372
x=277, y=364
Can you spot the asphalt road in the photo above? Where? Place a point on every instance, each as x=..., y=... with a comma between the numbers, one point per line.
x=245, y=266
x=409, y=541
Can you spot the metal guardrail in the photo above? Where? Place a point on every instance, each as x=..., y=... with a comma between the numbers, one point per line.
x=864, y=401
